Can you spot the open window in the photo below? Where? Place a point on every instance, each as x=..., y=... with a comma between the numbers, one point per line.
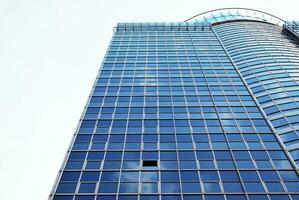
x=149, y=163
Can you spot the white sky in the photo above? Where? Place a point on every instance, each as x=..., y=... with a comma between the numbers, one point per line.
x=50, y=51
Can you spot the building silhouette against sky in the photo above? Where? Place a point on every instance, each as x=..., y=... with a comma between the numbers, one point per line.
x=202, y=109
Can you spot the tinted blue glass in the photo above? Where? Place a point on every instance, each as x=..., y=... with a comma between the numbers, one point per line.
x=265, y=86
x=149, y=188
x=214, y=197
x=209, y=176
x=66, y=188
x=295, y=196
x=291, y=187
x=212, y=187
x=258, y=197
x=191, y=197
x=171, y=197
x=90, y=176
x=191, y=187
x=73, y=165
x=279, y=197
x=57, y=197
x=129, y=176
x=170, y=93
x=112, y=164
x=110, y=197
x=132, y=155
x=93, y=165
x=253, y=187
x=84, y=198
x=95, y=155
x=110, y=176
x=108, y=187
x=269, y=175
x=83, y=138
x=229, y=176
x=274, y=187
x=232, y=187
x=87, y=187
x=236, y=197
x=288, y=175
x=128, y=188
x=169, y=164
x=127, y=197
x=189, y=176
x=149, y=197
x=169, y=176
x=249, y=176
x=149, y=176
x=70, y=176
x=170, y=187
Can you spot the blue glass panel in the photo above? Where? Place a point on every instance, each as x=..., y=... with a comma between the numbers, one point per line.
x=149, y=188
x=85, y=197
x=249, y=176
x=269, y=176
x=274, y=187
x=110, y=197
x=209, y=176
x=108, y=187
x=229, y=176
x=191, y=197
x=93, y=165
x=90, y=176
x=57, y=197
x=149, y=176
x=77, y=155
x=170, y=197
x=129, y=176
x=66, y=187
x=214, y=197
x=87, y=187
x=279, y=197
x=149, y=197
x=258, y=197
x=292, y=187
x=253, y=187
x=74, y=165
x=232, y=187
x=191, y=187
x=128, y=188
x=127, y=197
x=70, y=176
x=189, y=176
x=236, y=197
x=170, y=187
x=211, y=187
x=169, y=176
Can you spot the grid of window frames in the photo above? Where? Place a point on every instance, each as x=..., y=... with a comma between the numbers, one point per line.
x=269, y=62
x=294, y=25
x=170, y=119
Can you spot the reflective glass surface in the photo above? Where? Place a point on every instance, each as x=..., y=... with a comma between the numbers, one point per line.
x=268, y=61
x=169, y=96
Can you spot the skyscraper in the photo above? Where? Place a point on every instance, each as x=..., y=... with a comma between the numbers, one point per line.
x=202, y=109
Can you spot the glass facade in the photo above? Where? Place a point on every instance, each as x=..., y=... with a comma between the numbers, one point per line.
x=294, y=25
x=269, y=63
x=174, y=115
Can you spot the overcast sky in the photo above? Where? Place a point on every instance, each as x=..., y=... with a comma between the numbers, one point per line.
x=50, y=52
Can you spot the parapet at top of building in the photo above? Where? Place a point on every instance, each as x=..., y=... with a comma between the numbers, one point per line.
x=213, y=17
x=163, y=26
